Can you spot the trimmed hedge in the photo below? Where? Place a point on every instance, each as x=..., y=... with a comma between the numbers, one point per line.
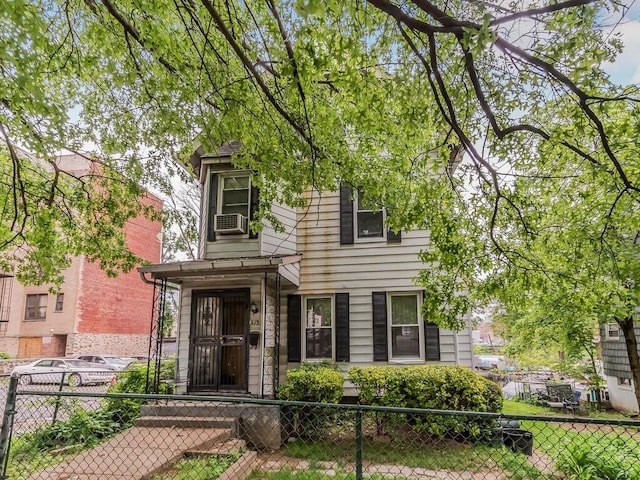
x=435, y=387
x=312, y=383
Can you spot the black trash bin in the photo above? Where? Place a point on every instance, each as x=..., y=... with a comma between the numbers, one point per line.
x=518, y=440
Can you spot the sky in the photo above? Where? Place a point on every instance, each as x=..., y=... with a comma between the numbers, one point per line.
x=626, y=68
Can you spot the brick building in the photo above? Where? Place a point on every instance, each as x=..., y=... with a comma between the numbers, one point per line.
x=92, y=312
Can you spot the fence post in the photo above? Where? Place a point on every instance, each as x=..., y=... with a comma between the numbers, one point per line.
x=7, y=424
x=57, y=401
x=358, y=444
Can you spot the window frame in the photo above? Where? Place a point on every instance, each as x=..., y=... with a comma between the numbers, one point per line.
x=222, y=176
x=624, y=382
x=59, y=306
x=356, y=230
x=39, y=307
x=420, y=324
x=305, y=299
x=607, y=331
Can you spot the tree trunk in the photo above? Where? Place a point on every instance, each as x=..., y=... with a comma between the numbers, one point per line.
x=631, y=342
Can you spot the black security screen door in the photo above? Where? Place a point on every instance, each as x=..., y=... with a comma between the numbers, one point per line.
x=218, y=354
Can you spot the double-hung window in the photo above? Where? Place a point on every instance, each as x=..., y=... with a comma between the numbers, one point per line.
x=235, y=194
x=59, y=302
x=362, y=219
x=318, y=332
x=613, y=331
x=36, y=308
x=406, y=327
x=369, y=219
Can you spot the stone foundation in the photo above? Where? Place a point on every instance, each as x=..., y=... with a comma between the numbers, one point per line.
x=122, y=345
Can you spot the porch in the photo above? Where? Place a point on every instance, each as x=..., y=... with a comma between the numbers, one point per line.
x=229, y=322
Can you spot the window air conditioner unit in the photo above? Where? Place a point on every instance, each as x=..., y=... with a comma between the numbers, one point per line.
x=230, y=223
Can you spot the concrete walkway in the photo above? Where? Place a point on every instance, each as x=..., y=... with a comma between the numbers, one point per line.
x=136, y=453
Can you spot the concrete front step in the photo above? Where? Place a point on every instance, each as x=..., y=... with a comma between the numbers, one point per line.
x=135, y=454
x=208, y=409
x=230, y=446
x=230, y=423
x=259, y=425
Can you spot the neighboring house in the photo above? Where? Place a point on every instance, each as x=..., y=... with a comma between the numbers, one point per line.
x=334, y=286
x=616, y=367
x=92, y=312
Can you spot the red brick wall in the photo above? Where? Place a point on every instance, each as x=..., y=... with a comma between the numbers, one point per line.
x=121, y=305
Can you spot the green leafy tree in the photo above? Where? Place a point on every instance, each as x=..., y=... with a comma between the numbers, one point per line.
x=491, y=124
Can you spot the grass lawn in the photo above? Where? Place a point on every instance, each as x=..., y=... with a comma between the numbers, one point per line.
x=199, y=468
x=27, y=462
x=311, y=475
x=441, y=455
x=511, y=407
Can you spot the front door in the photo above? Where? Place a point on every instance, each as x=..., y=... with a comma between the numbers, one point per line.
x=218, y=353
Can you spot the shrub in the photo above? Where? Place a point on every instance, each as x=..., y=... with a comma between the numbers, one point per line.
x=88, y=428
x=313, y=383
x=310, y=383
x=429, y=387
x=134, y=380
x=82, y=428
x=598, y=457
x=4, y=356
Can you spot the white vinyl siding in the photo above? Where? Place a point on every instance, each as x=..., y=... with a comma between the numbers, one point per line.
x=360, y=269
x=280, y=243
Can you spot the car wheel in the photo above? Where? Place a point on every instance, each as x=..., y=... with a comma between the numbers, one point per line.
x=75, y=380
x=24, y=380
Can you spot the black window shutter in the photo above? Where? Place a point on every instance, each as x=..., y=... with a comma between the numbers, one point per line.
x=342, y=327
x=380, y=348
x=213, y=207
x=394, y=237
x=431, y=341
x=346, y=216
x=294, y=327
x=253, y=208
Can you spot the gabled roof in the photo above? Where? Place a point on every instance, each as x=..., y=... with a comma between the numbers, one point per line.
x=226, y=150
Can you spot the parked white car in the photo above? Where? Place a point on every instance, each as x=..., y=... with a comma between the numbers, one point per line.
x=111, y=362
x=51, y=370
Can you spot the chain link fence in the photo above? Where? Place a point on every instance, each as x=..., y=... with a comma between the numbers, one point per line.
x=57, y=431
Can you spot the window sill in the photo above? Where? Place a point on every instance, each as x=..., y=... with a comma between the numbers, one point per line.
x=406, y=361
x=34, y=319
x=369, y=240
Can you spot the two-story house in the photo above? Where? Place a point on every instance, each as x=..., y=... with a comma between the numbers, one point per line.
x=334, y=286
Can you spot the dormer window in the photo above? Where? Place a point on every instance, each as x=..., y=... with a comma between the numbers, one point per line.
x=233, y=201
x=235, y=195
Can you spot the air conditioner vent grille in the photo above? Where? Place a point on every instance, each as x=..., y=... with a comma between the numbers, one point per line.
x=230, y=223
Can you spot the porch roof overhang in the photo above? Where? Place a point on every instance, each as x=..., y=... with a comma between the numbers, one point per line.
x=178, y=272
